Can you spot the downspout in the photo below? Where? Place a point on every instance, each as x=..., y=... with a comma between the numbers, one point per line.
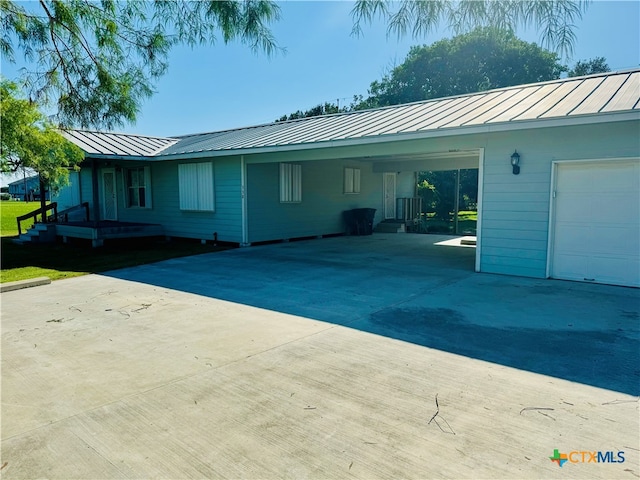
x=243, y=202
x=456, y=204
x=480, y=209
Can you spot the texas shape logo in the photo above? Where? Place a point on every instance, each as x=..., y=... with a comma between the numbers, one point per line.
x=559, y=458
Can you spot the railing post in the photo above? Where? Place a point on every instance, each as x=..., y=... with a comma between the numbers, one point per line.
x=19, y=229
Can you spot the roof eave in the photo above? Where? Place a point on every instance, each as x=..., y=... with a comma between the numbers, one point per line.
x=105, y=156
x=443, y=132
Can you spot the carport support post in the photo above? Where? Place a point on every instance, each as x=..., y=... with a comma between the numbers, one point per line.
x=456, y=203
x=94, y=187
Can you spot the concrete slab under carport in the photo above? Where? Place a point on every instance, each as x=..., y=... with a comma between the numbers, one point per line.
x=421, y=289
x=121, y=376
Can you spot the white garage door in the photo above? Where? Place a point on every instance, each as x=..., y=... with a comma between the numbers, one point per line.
x=596, y=235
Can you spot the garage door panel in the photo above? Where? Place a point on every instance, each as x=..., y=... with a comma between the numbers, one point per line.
x=579, y=181
x=612, y=239
x=572, y=238
x=606, y=209
x=578, y=237
x=571, y=266
x=574, y=207
x=611, y=268
x=624, y=176
x=596, y=230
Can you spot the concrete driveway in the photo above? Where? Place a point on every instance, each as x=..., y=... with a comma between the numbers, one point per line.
x=365, y=357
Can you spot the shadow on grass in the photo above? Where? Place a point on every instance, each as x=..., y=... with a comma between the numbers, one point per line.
x=20, y=262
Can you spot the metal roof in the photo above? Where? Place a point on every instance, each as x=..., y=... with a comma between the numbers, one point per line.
x=119, y=144
x=569, y=98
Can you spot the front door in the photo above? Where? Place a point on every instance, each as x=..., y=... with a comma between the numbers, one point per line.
x=109, y=199
x=389, y=196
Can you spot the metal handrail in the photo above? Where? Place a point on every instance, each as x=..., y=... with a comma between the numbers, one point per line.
x=40, y=211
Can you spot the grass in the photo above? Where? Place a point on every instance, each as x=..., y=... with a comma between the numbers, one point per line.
x=8, y=213
x=57, y=261
x=467, y=222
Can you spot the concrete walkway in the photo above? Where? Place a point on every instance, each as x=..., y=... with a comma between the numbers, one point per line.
x=319, y=359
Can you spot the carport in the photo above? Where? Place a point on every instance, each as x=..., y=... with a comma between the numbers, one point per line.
x=383, y=182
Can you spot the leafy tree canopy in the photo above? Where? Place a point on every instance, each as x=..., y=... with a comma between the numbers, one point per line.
x=96, y=61
x=483, y=59
x=589, y=67
x=29, y=141
x=325, y=108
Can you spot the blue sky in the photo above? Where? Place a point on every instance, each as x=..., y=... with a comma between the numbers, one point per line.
x=228, y=86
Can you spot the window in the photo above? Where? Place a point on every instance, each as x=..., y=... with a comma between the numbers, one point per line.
x=290, y=183
x=138, y=187
x=351, y=180
x=195, y=181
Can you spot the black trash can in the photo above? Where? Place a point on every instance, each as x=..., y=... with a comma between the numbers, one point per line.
x=350, y=222
x=359, y=221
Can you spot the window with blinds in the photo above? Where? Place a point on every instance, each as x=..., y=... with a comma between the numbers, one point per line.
x=351, y=180
x=290, y=183
x=138, y=181
x=195, y=183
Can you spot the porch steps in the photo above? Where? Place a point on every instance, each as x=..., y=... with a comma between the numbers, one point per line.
x=39, y=233
x=391, y=226
x=468, y=240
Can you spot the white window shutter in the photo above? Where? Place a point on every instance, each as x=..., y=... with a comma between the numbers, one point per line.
x=356, y=180
x=348, y=180
x=290, y=183
x=205, y=187
x=196, y=186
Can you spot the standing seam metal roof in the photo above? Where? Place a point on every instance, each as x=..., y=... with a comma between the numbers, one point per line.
x=564, y=98
x=107, y=143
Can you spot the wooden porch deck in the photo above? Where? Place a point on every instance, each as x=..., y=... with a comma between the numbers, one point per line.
x=103, y=230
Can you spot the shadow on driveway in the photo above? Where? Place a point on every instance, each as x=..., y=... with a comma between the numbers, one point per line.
x=409, y=288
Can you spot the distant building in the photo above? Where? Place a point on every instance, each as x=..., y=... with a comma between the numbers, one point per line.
x=23, y=188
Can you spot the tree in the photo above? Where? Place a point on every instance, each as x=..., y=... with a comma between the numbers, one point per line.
x=555, y=19
x=437, y=189
x=589, y=67
x=483, y=59
x=29, y=141
x=321, y=109
x=96, y=62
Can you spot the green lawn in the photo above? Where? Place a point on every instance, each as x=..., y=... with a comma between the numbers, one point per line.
x=20, y=262
x=8, y=213
x=467, y=222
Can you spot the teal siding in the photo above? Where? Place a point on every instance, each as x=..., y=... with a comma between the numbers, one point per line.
x=226, y=220
x=86, y=189
x=323, y=200
x=514, y=227
x=515, y=208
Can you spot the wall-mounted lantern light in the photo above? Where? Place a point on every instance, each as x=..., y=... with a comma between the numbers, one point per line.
x=515, y=162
